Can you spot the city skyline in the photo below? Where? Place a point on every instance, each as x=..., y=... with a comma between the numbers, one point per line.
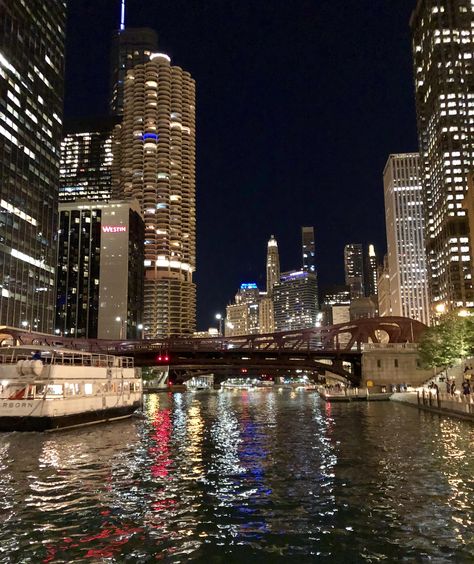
x=226, y=187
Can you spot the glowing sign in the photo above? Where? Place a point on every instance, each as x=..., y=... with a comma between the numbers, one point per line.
x=250, y=286
x=114, y=229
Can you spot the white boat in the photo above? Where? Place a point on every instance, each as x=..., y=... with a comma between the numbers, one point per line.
x=47, y=388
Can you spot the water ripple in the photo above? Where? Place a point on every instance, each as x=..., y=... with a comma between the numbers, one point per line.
x=242, y=477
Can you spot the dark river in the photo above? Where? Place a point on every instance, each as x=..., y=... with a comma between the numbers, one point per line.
x=243, y=476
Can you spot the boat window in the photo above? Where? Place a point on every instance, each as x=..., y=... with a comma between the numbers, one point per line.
x=88, y=389
x=55, y=390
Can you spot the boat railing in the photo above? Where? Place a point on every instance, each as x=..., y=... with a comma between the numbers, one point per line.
x=70, y=359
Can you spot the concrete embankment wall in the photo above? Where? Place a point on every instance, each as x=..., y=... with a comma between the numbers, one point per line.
x=457, y=406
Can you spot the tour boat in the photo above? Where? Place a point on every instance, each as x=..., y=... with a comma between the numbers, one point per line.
x=48, y=388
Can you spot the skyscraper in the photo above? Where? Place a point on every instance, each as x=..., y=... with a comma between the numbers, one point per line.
x=354, y=269
x=309, y=260
x=444, y=84
x=86, y=160
x=155, y=163
x=295, y=301
x=31, y=101
x=405, y=226
x=273, y=265
x=130, y=47
x=370, y=272
x=100, y=269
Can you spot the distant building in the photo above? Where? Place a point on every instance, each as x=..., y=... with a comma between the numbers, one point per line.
x=443, y=65
x=309, y=251
x=295, y=301
x=405, y=227
x=354, y=269
x=362, y=308
x=266, y=315
x=273, y=265
x=335, y=304
x=86, y=160
x=130, y=47
x=370, y=272
x=100, y=270
x=384, y=292
x=242, y=317
x=31, y=108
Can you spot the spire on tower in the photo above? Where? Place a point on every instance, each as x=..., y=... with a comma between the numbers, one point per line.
x=122, y=15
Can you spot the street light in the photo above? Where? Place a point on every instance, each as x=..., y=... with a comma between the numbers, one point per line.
x=219, y=319
x=26, y=325
x=141, y=328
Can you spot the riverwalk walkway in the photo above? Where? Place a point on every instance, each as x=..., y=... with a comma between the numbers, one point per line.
x=456, y=405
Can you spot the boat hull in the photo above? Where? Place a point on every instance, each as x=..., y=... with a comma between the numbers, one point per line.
x=51, y=423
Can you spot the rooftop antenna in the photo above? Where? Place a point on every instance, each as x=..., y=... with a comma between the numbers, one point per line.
x=122, y=16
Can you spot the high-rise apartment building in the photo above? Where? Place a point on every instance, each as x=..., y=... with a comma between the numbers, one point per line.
x=155, y=164
x=86, y=160
x=31, y=101
x=354, y=269
x=308, y=247
x=130, y=47
x=295, y=300
x=405, y=224
x=443, y=38
x=273, y=265
x=100, y=270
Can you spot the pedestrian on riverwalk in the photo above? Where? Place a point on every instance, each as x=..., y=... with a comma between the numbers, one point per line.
x=453, y=387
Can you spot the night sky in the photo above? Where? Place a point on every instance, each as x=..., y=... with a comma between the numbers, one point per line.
x=299, y=104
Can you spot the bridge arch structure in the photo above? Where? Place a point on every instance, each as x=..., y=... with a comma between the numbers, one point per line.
x=336, y=349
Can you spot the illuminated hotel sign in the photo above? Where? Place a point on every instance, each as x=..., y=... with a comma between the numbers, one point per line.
x=114, y=229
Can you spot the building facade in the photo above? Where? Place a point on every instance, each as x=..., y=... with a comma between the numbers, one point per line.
x=31, y=102
x=370, y=271
x=405, y=225
x=100, y=270
x=155, y=164
x=335, y=304
x=86, y=160
x=273, y=265
x=130, y=47
x=384, y=292
x=354, y=269
x=443, y=36
x=295, y=301
x=243, y=316
x=309, y=251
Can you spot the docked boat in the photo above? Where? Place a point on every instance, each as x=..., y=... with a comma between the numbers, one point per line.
x=47, y=388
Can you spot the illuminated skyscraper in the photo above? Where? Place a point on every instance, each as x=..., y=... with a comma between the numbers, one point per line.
x=86, y=160
x=309, y=260
x=31, y=101
x=443, y=38
x=100, y=270
x=370, y=272
x=405, y=224
x=354, y=269
x=130, y=47
x=154, y=162
x=295, y=300
x=273, y=265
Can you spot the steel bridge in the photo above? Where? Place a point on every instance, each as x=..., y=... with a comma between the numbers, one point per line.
x=336, y=349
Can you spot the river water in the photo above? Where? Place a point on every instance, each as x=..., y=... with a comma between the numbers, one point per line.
x=243, y=476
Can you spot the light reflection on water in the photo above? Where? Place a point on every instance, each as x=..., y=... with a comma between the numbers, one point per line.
x=239, y=477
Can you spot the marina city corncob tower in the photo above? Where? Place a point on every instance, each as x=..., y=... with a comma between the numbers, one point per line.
x=154, y=162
